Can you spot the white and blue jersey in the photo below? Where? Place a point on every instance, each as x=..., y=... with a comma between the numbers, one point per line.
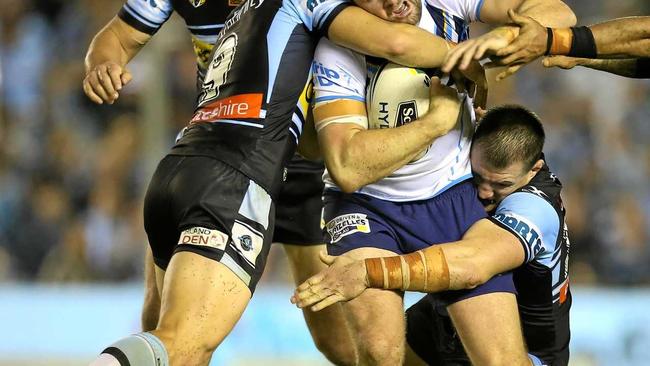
x=535, y=215
x=341, y=74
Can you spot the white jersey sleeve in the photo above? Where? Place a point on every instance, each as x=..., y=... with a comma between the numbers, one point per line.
x=464, y=9
x=146, y=15
x=339, y=77
x=533, y=221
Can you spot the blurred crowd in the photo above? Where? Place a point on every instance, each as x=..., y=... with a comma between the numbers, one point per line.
x=73, y=174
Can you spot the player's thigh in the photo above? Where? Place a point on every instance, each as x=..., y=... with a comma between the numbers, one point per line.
x=376, y=316
x=202, y=299
x=304, y=260
x=489, y=328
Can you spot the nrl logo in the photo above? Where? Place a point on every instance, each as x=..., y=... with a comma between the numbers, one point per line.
x=197, y=3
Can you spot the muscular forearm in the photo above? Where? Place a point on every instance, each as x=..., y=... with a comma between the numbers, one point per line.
x=486, y=250
x=404, y=44
x=632, y=68
x=624, y=37
x=370, y=155
x=116, y=42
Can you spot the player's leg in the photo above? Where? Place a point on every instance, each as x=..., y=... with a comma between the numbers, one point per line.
x=151, y=305
x=328, y=327
x=298, y=228
x=376, y=320
x=210, y=228
x=358, y=226
x=489, y=327
x=202, y=300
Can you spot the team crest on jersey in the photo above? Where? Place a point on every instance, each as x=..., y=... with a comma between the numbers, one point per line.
x=344, y=225
x=197, y=3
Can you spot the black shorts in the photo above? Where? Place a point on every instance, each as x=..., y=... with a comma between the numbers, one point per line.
x=300, y=204
x=201, y=205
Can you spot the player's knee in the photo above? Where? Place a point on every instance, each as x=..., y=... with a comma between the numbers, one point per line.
x=186, y=348
x=337, y=352
x=381, y=351
x=139, y=349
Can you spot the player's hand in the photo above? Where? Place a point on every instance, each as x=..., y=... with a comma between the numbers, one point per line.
x=344, y=280
x=475, y=49
x=472, y=81
x=529, y=45
x=104, y=81
x=563, y=62
x=444, y=106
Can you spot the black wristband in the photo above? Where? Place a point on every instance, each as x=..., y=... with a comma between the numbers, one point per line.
x=549, y=41
x=642, y=68
x=583, y=44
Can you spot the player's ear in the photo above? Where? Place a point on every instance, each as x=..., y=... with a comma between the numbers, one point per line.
x=536, y=167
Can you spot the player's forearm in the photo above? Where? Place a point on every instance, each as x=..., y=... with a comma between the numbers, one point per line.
x=116, y=42
x=370, y=155
x=624, y=37
x=624, y=67
x=427, y=270
x=404, y=44
x=485, y=251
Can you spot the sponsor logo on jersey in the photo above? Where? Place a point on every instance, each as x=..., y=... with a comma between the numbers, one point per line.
x=344, y=225
x=204, y=237
x=526, y=232
x=197, y=3
x=406, y=112
x=247, y=242
x=236, y=106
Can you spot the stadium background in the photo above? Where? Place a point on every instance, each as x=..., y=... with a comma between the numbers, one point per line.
x=72, y=177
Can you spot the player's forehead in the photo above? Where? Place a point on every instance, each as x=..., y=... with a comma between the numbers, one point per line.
x=482, y=168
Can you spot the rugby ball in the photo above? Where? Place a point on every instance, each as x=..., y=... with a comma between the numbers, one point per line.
x=397, y=95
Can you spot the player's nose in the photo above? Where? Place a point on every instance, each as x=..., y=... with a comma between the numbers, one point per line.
x=485, y=192
x=391, y=4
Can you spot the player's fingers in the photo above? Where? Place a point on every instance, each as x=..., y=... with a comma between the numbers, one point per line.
x=88, y=90
x=515, y=57
x=452, y=57
x=481, y=50
x=509, y=71
x=97, y=86
x=468, y=56
x=115, y=73
x=515, y=46
x=325, y=258
x=331, y=300
x=559, y=61
x=313, y=280
x=126, y=77
x=106, y=82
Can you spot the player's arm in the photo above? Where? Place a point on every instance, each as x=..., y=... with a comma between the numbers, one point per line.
x=356, y=156
x=109, y=52
x=485, y=251
x=632, y=68
x=552, y=13
x=405, y=44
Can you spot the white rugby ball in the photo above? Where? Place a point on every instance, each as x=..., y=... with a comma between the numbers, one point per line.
x=397, y=95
